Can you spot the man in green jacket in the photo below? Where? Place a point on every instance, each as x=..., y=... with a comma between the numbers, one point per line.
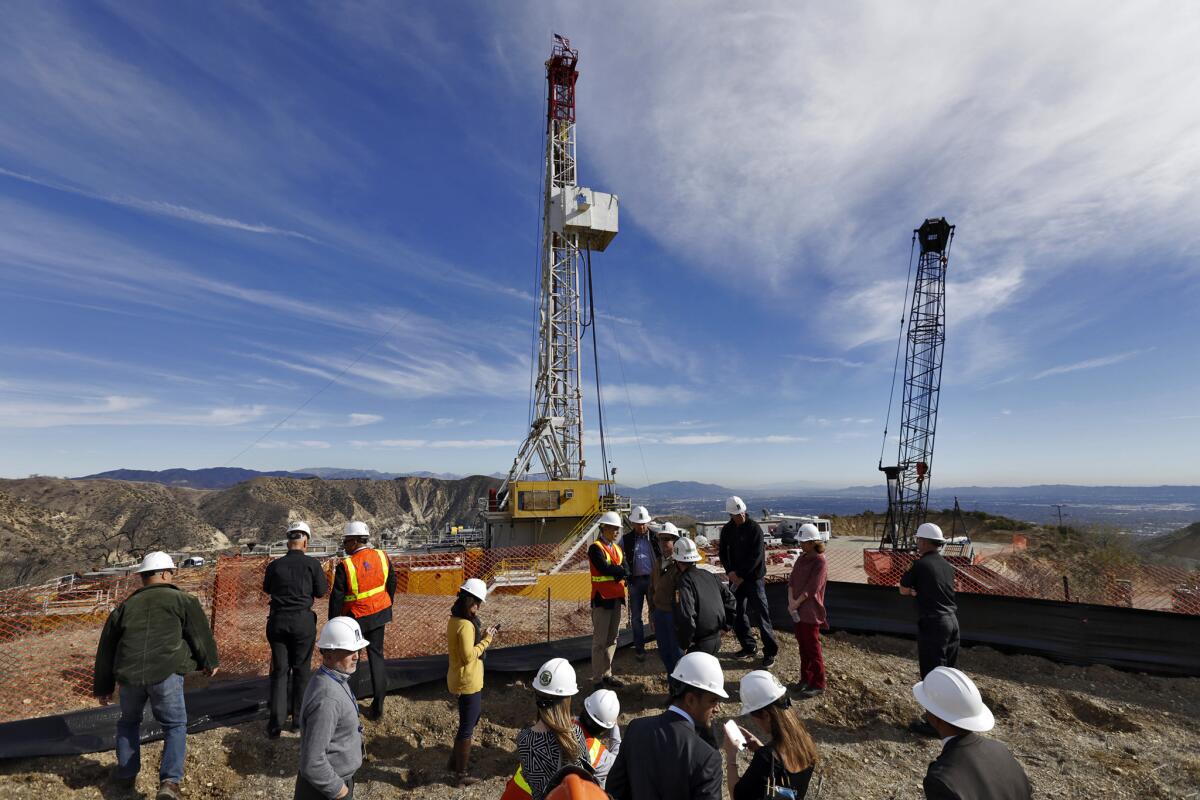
x=149, y=643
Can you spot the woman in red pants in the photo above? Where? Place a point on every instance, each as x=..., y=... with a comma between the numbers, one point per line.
x=806, y=602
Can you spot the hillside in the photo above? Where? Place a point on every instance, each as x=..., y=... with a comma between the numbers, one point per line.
x=53, y=526
x=259, y=509
x=1181, y=544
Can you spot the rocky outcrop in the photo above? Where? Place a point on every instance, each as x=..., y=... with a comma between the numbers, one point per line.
x=51, y=527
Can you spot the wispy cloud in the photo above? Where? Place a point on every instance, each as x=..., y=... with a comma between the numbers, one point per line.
x=301, y=444
x=159, y=207
x=1091, y=363
x=452, y=444
x=841, y=362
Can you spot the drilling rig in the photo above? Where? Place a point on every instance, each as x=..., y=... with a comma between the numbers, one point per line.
x=908, y=481
x=560, y=503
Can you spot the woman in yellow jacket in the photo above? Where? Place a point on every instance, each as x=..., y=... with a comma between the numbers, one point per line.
x=466, y=646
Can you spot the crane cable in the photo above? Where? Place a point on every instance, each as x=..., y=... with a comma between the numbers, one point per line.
x=899, y=340
x=596, y=363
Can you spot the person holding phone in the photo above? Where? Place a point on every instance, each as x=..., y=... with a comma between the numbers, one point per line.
x=783, y=768
x=466, y=645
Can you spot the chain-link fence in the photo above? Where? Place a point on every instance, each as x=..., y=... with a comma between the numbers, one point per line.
x=49, y=633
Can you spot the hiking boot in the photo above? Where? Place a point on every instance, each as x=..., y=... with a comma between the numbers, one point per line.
x=168, y=790
x=613, y=681
x=117, y=782
x=768, y=662
x=800, y=686
x=466, y=779
x=746, y=652
x=810, y=692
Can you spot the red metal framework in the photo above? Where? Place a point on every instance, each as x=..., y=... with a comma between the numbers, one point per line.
x=560, y=77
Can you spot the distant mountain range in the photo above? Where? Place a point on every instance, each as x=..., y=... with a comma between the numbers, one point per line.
x=225, y=477
x=210, y=478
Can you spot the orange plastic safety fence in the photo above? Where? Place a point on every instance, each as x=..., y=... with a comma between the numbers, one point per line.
x=49, y=633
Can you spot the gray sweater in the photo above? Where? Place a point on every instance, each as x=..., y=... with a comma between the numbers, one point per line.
x=331, y=747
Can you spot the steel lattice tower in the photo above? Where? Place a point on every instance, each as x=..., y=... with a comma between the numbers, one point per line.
x=575, y=220
x=908, y=482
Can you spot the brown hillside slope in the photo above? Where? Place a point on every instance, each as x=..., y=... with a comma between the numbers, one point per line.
x=259, y=510
x=52, y=527
x=66, y=526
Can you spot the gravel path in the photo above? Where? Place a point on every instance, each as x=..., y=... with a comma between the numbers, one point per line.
x=1080, y=732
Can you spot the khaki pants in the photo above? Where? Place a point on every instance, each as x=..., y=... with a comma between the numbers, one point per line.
x=606, y=623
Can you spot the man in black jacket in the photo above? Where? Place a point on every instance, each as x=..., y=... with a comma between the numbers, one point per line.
x=641, y=552
x=149, y=642
x=970, y=766
x=703, y=605
x=743, y=555
x=673, y=756
x=931, y=581
x=294, y=582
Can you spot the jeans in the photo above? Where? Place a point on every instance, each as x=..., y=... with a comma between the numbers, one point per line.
x=291, y=636
x=752, y=604
x=664, y=632
x=470, y=708
x=166, y=703
x=374, y=666
x=639, y=585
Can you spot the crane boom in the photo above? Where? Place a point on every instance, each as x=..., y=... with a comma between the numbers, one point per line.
x=909, y=480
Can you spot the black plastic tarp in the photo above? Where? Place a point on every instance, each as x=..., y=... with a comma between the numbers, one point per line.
x=1076, y=633
x=234, y=702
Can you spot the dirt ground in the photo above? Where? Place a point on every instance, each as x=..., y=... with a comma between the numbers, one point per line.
x=1080, y=732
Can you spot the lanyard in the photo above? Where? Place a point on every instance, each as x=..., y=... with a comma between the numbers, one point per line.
x=323, y=670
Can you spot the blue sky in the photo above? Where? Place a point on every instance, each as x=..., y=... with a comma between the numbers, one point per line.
x=211, y=211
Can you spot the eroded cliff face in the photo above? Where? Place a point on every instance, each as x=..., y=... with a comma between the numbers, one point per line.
x=259, y=510
x=52, y=526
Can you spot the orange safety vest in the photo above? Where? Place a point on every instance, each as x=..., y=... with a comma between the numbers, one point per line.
x=366, y=583
x=608, y=587
x=518, y=788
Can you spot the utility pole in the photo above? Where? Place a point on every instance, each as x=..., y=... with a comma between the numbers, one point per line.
x=1059, y=508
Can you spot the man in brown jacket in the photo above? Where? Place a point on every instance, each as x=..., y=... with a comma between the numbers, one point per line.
x=662, y=596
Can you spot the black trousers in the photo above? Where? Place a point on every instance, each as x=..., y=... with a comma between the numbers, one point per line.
x=710, y=644
x=752, y=609
x=305, y=790
x=937, y=642
x=374, y=667
x=291, y=636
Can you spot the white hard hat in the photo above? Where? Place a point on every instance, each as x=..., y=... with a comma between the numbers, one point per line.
x=809, y=533
x=341, y=633
x=604, y=707
x=701, y=541
x=734, y=505
x=685, y=551
x=156, y=561
x=930, y=531
x=475, y=588
x=702, y=671
x=610, y=518
x=759, y=689
x=300, y=525
x=556, y=678
x=356, y=529
x=952, y=697
x=639, y=515
x=669, y=529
